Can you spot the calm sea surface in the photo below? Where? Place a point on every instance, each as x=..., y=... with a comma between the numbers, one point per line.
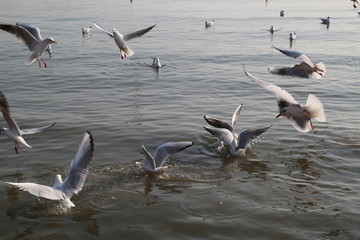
x=289, y=185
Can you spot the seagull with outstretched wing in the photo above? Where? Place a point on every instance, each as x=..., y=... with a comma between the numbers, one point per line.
x=14, y=132
x=156, y=162
x=73, y=183
x=121, y=40
x=36, y=45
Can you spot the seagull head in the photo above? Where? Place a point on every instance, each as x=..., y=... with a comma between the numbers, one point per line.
x=115, y=30
x=58, y=182
x=51, y=41
x=283, y=112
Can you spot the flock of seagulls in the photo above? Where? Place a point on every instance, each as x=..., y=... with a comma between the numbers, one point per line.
x=231, y=142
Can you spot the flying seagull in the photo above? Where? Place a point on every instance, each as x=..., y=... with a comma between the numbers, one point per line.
x=35, y=31
x=306, y=69
x=74, y=182
x=14, y=132
x=156, y=162
x=121, y=40
x=299, y=116
x=36, y=46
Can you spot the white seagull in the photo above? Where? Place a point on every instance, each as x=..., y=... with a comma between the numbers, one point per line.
x=35, y=31
x=121, y=40
x=306, y=69
x=209, y=23
x=154, y=164
x=218, y=123
x=298, y=115
x=292, y=36
x=234, y=142
x=156, y=63
x=74, y=182
x=14, y=132
x=85, y=31
x=36, y=46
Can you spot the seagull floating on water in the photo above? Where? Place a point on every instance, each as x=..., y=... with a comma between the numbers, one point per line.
x=121, y=40
x=36, y=46
x=224, y=132
x=156, y=63
x=298, y=115
x=155, y=163
x=209, y=23
x=35, y=31
x=85, y=31
x=292, y=36
x=14, y=132
x=306, y=69
x=325, y=20
x=282, y=13
x=74, y=182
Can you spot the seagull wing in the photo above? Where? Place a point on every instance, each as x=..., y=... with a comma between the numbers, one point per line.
x=39, y=190
x=148, y=163
x=4, y=108
x=295, y=54
x=35, y=130
x=137, y=34
x=283, y=97
x=224, y=136
x=165, y=150
x=21, y=33
x=300, y=124
x=79, y=166
x=218, y=123
x=101, y=29
x=236, y=115
x=248, y=135
x=35, y=31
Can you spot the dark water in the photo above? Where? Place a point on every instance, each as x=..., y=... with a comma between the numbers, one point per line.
x=289, y=185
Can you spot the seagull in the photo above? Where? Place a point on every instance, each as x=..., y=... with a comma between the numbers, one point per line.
x=155, y=164
x=236, y=142
x=37, y=47
x=85, y=31
x=14, y=132
x=354, y=3
x=325, y=20
x=282, y=13
x=218, y=123
x=121, y=40
x=306, y=69
x=156, y=63
x=74, y=182
x=209, y=23
x=299, y=116
x=292, y=36
x=272, y=29
x=35, y=31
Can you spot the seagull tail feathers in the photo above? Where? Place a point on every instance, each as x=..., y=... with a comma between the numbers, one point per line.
x=126, y=52
x=315, y=107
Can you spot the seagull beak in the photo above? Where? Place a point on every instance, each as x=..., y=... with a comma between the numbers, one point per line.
x=279, y=115
x=54, y=42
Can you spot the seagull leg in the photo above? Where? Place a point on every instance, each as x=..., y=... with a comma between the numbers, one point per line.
x=16, y=148
x=312, y=126
x=45, y=65
x=39, y=62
